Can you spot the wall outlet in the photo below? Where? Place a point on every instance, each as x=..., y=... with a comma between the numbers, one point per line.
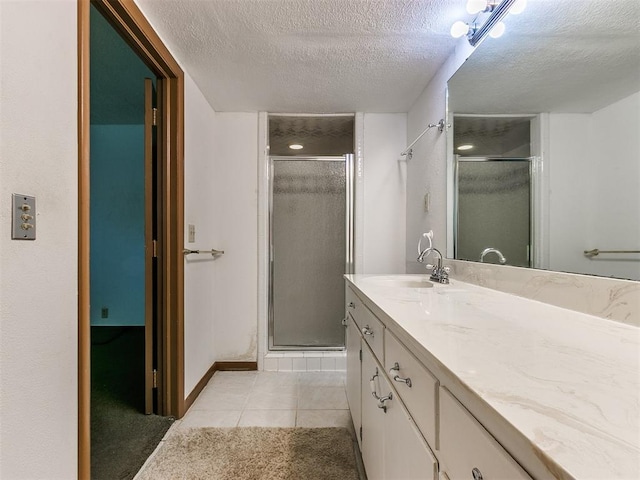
x=192, y=233
x=104, y=312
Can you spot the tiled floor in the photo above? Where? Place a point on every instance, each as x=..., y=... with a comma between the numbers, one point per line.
x=270, y=399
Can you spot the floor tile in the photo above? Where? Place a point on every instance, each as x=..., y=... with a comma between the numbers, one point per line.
x=275, y=388
x=322, y=398
x=323, y=418
x=220, y=400
x=277, y=378
x=210, y=418
x=271, y=401
x=268, y=418
x=322, y=379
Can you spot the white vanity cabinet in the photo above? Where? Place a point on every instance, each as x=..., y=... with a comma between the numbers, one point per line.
x=392, y=447
x=354, y=397
x=467, y=450
x=402, y=413
x=417, y=387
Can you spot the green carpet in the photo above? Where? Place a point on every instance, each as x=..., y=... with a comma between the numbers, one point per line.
x=122, y=436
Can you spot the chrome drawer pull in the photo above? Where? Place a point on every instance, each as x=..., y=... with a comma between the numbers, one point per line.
x=394, y=372
x=367, y=330
x=381, y=400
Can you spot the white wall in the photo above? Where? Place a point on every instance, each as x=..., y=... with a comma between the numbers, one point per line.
x=568, y=154
x=595, y=182
x=384, y=210
x=427, y=170
x=38, y=279
x=236, y=207
x=200, y=200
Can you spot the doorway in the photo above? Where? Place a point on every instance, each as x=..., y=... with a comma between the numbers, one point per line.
x=125, y=427
x=163, y=281
x=494, y=189
x=311, y=243
x=311, y=229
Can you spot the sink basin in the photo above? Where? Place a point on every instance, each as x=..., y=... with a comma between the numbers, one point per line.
x=401, y=281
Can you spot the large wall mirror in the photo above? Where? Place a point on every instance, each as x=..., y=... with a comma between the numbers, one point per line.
x=544, y=149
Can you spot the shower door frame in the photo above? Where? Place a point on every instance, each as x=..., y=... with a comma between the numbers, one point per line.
x=348, y=160
x=533, y=197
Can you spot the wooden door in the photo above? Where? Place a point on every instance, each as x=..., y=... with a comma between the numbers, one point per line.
x=150, y=361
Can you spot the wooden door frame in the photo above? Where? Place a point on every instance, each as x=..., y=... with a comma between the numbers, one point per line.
x=129, y=21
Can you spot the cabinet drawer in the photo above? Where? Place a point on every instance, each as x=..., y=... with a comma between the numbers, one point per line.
x=353, y=305
x=465, y=446
x=420, y=398
x=371, y=328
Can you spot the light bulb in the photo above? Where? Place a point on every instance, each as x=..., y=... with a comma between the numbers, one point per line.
x=518, y=7
x=465, y=147
x=476, y=6
x=295, y=146
x=459, y=29
x=497, y=30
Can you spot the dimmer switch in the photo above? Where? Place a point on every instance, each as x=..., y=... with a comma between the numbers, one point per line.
x=23, y=216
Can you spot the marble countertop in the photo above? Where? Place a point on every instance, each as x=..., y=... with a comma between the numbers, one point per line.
x=567, y=381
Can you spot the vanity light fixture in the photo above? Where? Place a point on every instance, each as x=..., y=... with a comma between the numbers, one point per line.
x=296, y=146
x=483, y=25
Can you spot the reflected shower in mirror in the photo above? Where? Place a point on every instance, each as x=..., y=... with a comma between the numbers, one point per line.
x=551, y=109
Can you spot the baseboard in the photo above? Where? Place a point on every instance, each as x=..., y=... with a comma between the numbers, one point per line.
x=216, y=367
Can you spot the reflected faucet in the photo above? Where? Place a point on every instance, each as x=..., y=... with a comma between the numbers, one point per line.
x=439, y=273
x=489, y=250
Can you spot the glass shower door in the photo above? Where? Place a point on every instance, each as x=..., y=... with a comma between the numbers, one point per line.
x=310, y=239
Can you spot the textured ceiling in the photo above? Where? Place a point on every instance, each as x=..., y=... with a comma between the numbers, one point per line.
x=573, y=56
x=308, y=56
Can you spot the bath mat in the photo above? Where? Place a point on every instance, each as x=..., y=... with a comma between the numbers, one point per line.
x=254, y=453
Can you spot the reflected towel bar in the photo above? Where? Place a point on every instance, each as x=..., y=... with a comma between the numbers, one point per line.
x=213, y=252
x=596, y=252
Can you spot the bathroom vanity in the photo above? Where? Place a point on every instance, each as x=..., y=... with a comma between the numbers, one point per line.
x=462, y=382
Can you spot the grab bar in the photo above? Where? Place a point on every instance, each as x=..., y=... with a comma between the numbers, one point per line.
x=595, y=252
x=213, y=252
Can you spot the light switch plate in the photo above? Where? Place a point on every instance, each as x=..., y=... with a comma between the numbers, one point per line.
x=192, y=233
x=23, y=217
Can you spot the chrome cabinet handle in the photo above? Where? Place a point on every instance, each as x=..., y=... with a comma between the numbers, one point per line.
x=367, y=330
x=351, y=305
x=395, y=371
x=477, y=474
x=381, y=400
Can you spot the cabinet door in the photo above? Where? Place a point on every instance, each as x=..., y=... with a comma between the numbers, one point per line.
x=406, y=455
x=354, y=372
x=467, y=450
x=373, y=434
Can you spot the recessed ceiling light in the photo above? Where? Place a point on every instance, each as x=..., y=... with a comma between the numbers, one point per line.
x=465, y=147
x=295, y=146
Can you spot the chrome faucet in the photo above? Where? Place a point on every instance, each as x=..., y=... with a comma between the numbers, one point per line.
x=488, y=250
x=439, y=273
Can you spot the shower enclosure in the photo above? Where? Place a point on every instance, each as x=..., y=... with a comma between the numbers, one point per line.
x=311, y=247
x=493, y=199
